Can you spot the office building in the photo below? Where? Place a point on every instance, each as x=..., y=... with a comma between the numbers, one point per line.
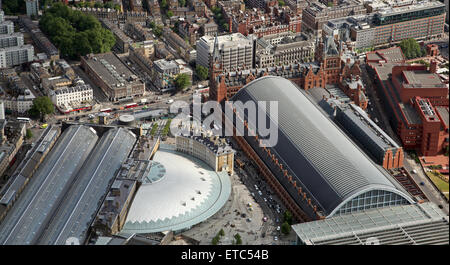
x=235, y=51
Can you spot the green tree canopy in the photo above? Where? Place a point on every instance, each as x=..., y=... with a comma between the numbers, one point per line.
x=14, y=7
x=41, y=107
x=202, y=72
x=238, y=239
x=182, y=81
x=411, y=48
x=169, y=13
x=75, y=33
x=285, y=228
x=163, y=4
x=29, y=134
x=287, y=217
x=158, y=30
x=182, y=2
x=281, y=3
x=225, y=26
x=215, y=240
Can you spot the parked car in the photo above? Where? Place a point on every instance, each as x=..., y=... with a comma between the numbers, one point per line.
x=422, y=183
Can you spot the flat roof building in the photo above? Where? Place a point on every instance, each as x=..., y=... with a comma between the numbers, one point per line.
x=410, y=95
x=235, y=50
x=109, y=73
x=421, y=20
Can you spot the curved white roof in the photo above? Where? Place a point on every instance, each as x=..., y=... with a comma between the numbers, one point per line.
x=188, y=193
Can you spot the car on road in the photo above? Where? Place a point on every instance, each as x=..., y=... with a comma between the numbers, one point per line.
x=278, y=220
x=422, y=183
x=414, y=171
x=278, y=228
x=265, y=219
x=260, y=193
x=265, y=200
x=249, y=220
x=275, y=238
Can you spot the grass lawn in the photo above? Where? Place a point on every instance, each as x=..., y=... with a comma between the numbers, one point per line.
x=442, y=185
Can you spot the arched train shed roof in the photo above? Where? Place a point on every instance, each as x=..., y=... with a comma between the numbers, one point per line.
x=318, y=155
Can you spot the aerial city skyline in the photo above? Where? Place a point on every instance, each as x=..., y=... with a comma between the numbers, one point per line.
x=224, y=122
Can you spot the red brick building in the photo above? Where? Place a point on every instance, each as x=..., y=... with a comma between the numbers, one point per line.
x=329, y=71
x=415, y=98
x=351, y=84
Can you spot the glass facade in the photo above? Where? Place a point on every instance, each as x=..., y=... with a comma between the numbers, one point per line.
x=372, y=199
x=384, y=19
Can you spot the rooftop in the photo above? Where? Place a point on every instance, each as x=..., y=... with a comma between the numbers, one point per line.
x=415, y=224
x=113, y=71
x=186, y=192
x=422, y=78
x=337, y=169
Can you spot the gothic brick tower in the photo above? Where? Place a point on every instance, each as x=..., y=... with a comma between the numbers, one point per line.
x=217, y=89
x=330, y=57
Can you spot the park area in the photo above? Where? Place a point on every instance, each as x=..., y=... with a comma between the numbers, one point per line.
x=438, y=180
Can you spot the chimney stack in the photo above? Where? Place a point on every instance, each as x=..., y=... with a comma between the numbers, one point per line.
x=433, y=66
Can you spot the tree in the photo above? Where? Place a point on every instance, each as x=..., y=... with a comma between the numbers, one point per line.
x=285, y=228
x=281, y=3
x=41, y=107
x=215, y=240
x=202, y=72
x=29, y=134
x=158, y=31
x=14, y=7
x=221, y=232
x=287, y=217
x=225, y=26
x=182, y=2
x=182, y=81
x=163, y=4
x=411, y=48
x=169, y=13
x=238, y=239
x=75, y=33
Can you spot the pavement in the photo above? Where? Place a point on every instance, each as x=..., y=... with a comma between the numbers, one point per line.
x=253, y=231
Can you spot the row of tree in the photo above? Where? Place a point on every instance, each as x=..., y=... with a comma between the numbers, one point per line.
x=109, y=4
x=75, y=33
x=219, y=18
x=14, y=7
